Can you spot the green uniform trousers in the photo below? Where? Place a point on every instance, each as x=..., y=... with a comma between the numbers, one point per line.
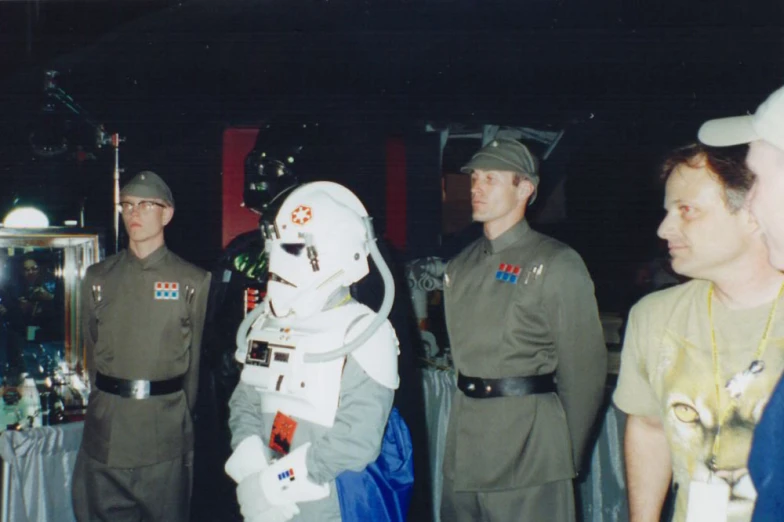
x=551, y=502
x=156, y=493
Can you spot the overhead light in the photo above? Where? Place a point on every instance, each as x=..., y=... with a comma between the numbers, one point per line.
x=26, y=217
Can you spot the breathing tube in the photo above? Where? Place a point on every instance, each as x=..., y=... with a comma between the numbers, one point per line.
x=381, y=316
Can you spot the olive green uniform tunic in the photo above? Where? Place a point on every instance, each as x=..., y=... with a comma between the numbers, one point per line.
x=522, y=304
x=137, y=327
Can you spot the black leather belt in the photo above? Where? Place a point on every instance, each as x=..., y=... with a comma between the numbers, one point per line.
x=477, y=388
x=137, y=389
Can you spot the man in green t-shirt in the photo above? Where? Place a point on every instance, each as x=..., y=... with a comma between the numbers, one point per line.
x=700, y=359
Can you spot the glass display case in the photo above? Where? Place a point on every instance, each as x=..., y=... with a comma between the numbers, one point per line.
x=41, y=350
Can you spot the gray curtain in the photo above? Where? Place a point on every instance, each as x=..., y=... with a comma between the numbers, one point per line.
x=37, y=469
x=439, y=386
x=603, y=491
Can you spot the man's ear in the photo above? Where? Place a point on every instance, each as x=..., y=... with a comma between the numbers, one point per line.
x=525, y=189
x=168, y=214
x=752, y=225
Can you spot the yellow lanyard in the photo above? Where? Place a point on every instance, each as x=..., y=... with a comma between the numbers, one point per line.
x=756, y=362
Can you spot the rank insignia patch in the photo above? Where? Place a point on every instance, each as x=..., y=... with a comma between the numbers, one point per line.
x=165, y=291
x=287, y=475
x=508, y=273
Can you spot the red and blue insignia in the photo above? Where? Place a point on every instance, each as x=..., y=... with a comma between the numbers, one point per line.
x=164, y=290
x=286, y=475
x=508, y=273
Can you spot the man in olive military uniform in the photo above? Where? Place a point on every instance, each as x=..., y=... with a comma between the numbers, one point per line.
x=528, y=346
x=143, y=314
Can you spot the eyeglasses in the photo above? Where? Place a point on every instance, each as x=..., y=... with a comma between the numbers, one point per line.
x=144, y=206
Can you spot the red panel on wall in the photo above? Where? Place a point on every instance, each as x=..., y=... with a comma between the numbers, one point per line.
x=237, y=143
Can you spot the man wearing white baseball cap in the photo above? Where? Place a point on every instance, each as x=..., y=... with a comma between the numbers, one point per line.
x=764, y=132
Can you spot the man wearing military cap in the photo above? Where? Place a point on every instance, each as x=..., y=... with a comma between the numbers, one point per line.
x=530, y=354
x=143, y=314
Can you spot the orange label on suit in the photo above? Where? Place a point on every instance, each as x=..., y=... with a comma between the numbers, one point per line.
x=283, y=429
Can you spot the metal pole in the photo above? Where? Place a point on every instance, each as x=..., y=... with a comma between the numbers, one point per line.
x=116, y=145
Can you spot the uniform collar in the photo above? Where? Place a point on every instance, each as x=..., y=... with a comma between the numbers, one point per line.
x=517, y=232
x=149, y=261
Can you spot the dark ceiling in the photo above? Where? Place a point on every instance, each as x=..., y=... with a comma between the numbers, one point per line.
x=540, y=60
x=170, y=76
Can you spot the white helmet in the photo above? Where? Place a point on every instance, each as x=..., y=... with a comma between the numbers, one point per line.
x=317, y=244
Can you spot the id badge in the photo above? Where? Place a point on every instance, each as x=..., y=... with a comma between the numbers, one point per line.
x=708, y=502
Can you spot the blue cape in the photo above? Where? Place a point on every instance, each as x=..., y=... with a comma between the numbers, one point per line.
x=382, y=492
x=766, y=460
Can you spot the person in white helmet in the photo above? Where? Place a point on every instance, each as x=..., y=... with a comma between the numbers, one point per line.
x=764, y=132
x=320, y=372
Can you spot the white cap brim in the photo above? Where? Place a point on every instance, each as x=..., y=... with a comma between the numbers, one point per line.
x=725, y=132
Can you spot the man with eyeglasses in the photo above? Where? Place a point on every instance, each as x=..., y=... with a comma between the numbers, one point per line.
x=143, y=314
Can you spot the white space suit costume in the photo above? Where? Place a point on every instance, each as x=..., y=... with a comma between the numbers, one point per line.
x=320, y=369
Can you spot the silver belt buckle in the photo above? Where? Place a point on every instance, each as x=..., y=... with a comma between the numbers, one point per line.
x=140, y=389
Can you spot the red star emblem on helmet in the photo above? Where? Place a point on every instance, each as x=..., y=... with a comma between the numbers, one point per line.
x=301, y=215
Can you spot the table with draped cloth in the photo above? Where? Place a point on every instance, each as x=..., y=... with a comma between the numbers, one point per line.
x=37, y=463
x=37, y=468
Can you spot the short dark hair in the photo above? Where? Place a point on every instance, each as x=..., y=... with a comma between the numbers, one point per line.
x=727, y=164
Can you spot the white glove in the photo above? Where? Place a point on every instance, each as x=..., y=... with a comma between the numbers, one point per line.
x=249, y=457
x=256, y=507
x=245, y=466
x=287, y=480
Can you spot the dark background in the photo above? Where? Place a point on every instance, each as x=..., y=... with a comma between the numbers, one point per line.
x=627, y=79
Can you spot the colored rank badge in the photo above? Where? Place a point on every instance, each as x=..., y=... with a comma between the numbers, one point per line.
x=164, y=291
x=508, y=273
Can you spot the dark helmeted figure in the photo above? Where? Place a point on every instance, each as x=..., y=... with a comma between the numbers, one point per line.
x=239, y=283
x=240, y=277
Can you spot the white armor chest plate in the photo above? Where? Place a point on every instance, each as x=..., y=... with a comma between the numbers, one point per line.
x=274, y=363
